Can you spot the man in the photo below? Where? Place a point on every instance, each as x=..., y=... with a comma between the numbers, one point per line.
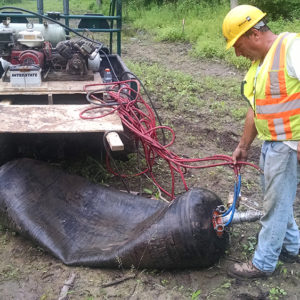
x=272, y=87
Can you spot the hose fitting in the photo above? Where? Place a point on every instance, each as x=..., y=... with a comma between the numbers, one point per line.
x=219, y=221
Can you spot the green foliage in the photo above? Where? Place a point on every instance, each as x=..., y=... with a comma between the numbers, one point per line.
x=76, y=7
x=175, y=89
x=184, y=94
x=186, y=22
x=195, y=295
x=10, y=272
x=249, y=247
x=9, y=2
x=187, y=3
x=89, y=168
x=239, y=113
x=201, y=27
x=276, y=293
x=287, y=9
x=281, y=25
x=219, y=292
x=180, y=92
x=171, y=34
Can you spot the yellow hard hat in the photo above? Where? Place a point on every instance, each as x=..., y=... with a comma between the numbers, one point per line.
x=238, y=21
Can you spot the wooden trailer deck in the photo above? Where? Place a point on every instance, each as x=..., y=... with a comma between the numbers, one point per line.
x=52, y=116
x=49, y=87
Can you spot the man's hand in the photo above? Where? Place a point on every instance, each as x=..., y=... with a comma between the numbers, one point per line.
x=241, y=153
x=249, y=134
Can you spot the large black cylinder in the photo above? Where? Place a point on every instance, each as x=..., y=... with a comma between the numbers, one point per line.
x=83, y=223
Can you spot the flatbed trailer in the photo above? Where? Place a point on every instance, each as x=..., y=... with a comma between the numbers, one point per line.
x=44, y=121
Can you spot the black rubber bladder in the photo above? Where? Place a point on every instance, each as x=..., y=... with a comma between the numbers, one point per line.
x=86, y=224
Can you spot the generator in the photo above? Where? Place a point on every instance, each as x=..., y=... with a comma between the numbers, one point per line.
x=40, y=52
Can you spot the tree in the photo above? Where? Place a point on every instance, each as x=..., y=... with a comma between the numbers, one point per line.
x=276, y=9
x=234, y=3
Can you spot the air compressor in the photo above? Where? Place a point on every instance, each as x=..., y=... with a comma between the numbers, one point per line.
x=40, y=52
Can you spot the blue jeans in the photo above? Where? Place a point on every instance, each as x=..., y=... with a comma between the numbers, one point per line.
x=279, y=184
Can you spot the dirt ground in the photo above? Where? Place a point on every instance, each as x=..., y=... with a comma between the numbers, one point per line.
x=27, y=272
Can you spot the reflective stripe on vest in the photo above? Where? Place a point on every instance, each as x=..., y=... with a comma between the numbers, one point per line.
x=278, y=106
x=277, y=71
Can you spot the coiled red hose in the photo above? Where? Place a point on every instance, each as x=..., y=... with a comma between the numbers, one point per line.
x=139, y=118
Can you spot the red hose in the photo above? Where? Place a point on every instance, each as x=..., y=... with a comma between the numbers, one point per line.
x=139, y=118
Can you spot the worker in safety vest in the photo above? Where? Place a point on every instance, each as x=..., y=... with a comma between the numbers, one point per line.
x=272, y=88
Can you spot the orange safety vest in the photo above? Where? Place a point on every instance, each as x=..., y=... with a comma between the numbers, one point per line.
x=274, y=95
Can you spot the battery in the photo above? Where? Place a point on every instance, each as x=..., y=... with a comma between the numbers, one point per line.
x=25, y=76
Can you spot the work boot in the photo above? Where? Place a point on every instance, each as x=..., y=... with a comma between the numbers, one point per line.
x=289, y=258
x=246, y=271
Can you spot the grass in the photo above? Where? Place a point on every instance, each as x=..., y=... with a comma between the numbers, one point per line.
x=201, y=27
x=220, y=291
x=182, y=92
x=90, y=168
x=195, y=295
x=276, y=293
x=76, y=7
x=249, y=246
x=9, y=272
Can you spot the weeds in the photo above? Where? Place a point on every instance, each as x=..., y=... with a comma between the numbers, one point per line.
x=283, y=270
x=202, y=27
x=195, y=295
x=220, y=290
x=9, y=272
x=164, y=282
x=90, y=168
x=239, y=113
x=183, y=93
x=5, y=235
x=249, y=247
x=276, y=293
x=76, y=7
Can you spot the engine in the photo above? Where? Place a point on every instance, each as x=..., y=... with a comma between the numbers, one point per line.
x=29, y=49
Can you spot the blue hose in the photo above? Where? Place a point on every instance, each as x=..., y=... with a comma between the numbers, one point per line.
x=237, y=189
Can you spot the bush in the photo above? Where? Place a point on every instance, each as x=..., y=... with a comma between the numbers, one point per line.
x=187, y=3
x=9, y=2
x=286, y=9
x=203, y=23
